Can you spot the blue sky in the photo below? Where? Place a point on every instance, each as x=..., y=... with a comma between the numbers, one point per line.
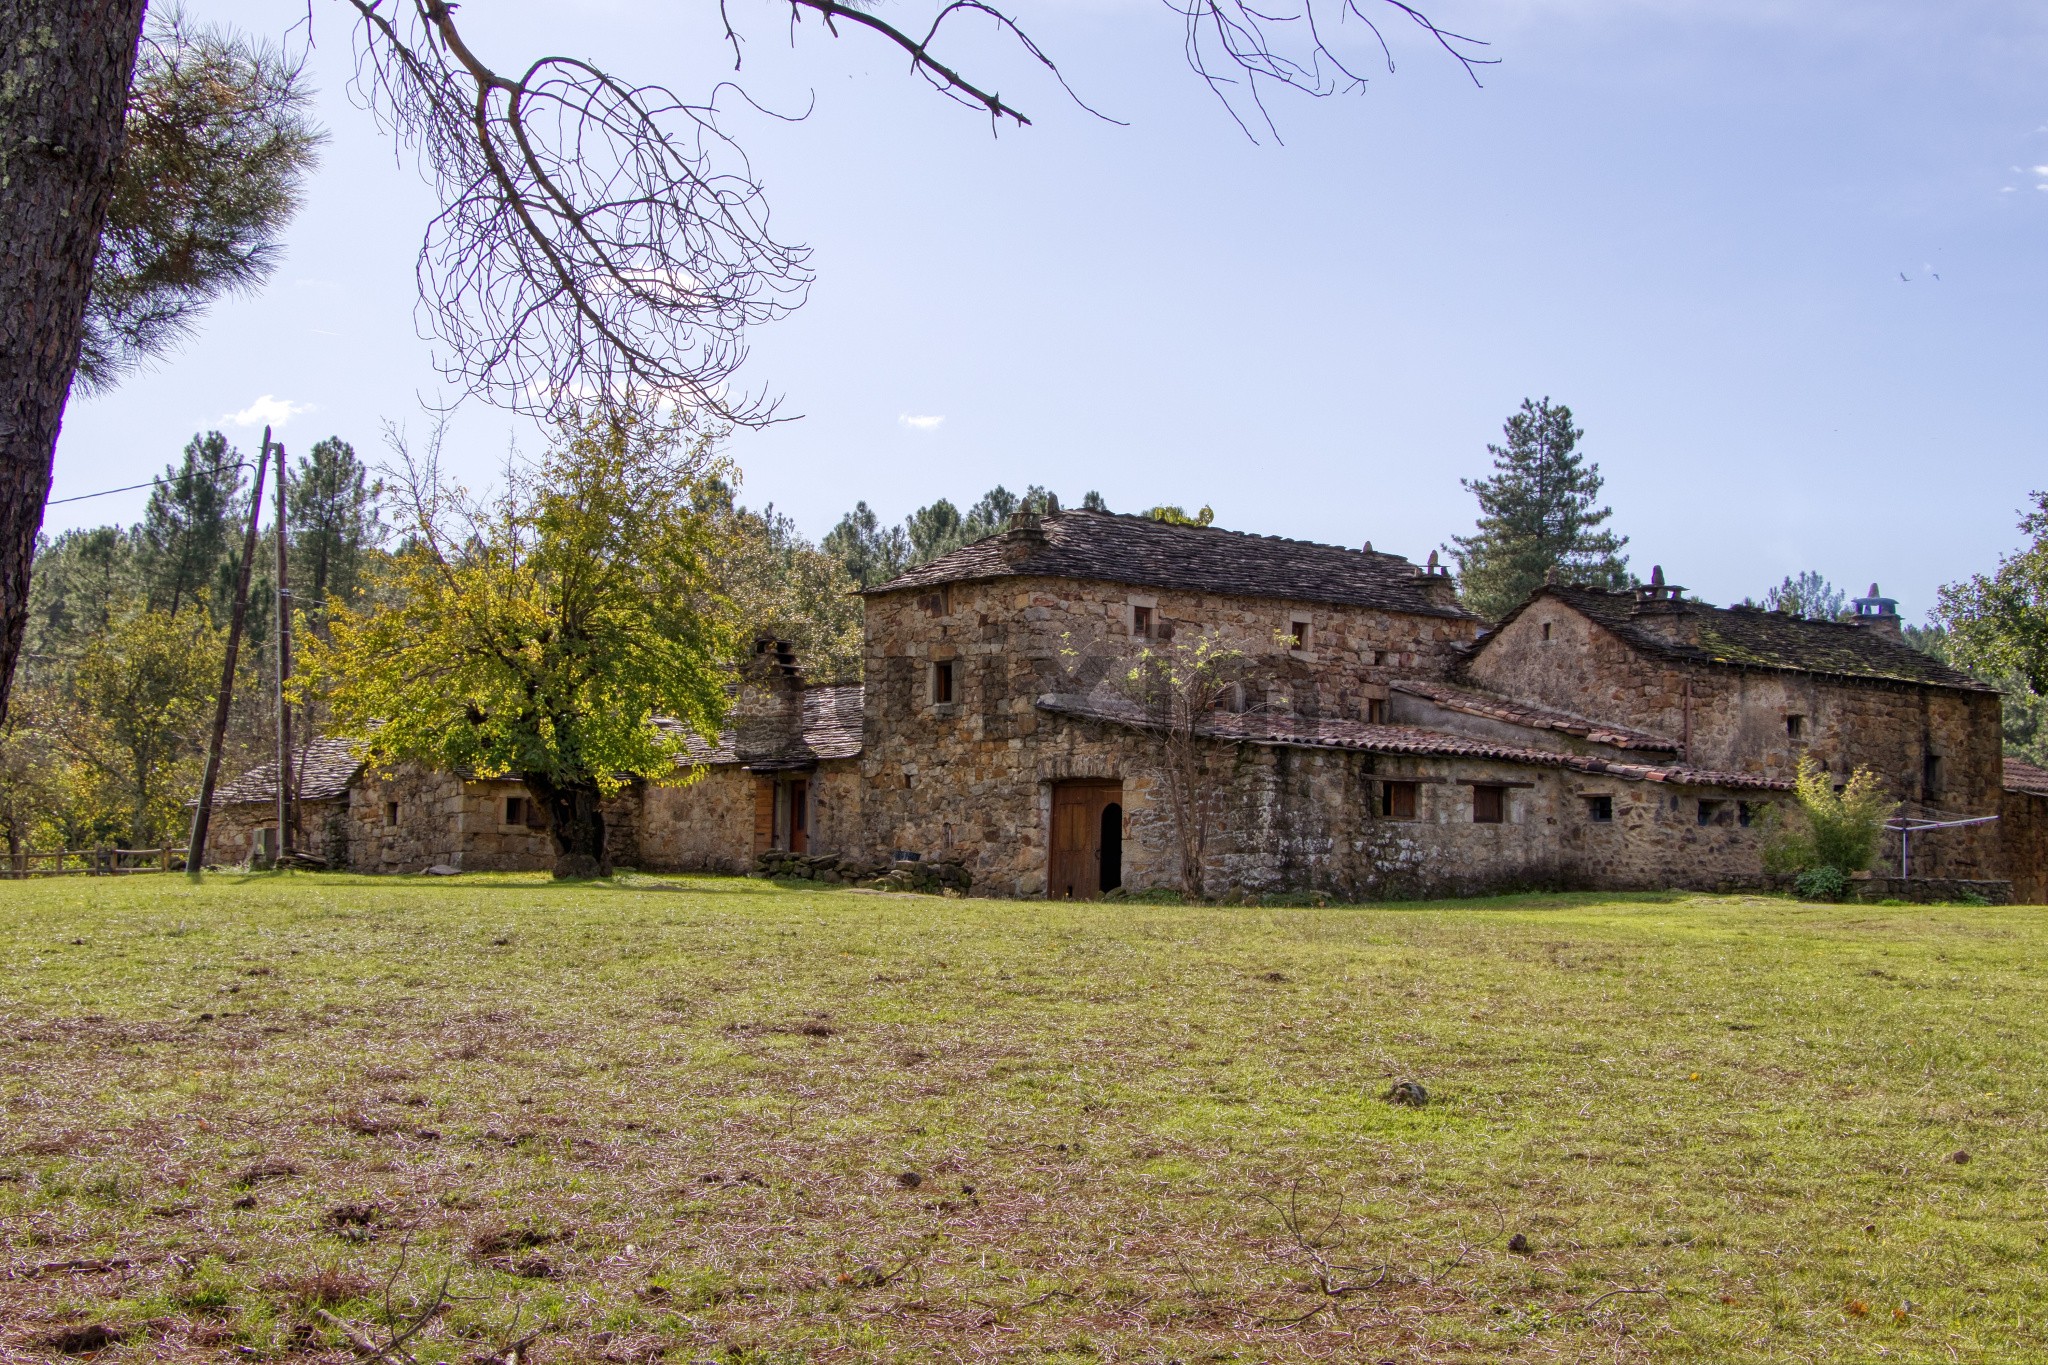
x=1715, y=231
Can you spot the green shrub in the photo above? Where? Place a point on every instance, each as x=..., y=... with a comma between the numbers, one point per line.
x=1821, y=884
x=1836, y=830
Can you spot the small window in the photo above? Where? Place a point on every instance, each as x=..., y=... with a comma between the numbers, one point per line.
x=1489, y=805
x=1299, y=630
x=942, y=683
x=1141, y=622
x=1930, y=778
x=1379, y=658
x=1600, y=809
x=1546, y=630
x=1715, y=812
x=515, y=810
x=390, y=812
x=1397, y=800
x=1795, y=727
x=1376, y=711
x=934, y=603
x=1746, y=811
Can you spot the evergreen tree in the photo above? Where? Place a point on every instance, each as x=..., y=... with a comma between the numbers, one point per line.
x=187, y=527
x=1809, y=595
x=1537, y=513
x=336, y=524
x=84, y=581
x=871, y=552
x=935, y=530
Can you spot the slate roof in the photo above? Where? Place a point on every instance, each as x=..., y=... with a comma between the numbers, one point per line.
x=322, y=774
x=1155, y=554
x=2021, y=776
x=1750, y=637
x=832, y=728
x=1298, y=732
x=1472, y=703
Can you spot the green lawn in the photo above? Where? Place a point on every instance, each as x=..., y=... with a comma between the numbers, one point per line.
x=724, y=1120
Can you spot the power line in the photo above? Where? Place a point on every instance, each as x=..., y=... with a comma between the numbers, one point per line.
x=130, y=488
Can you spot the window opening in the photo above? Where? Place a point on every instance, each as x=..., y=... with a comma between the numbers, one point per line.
x=1300, y=632
x=390, y=812
x=1141, y=622
x=1489, y=805
x=1746, y=811
x=1600, y=809
x=1715, y=813
x=942, y=683
x=1795, y=726
x=1930, y=777
x=1397, y=800
x=1546, y=630
x=515, y=810
x=1376, y=711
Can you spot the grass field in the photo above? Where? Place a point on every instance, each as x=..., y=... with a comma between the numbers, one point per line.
x=724, y=1120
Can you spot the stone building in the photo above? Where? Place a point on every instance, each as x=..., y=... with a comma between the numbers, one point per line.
x=1359, y=733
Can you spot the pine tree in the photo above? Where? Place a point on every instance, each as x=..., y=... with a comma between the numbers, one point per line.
x=1537, y=513
x=186, y=528
x=336, y=525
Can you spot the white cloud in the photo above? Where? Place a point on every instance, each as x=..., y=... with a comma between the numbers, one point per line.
x=920, y=423
x=267, y=411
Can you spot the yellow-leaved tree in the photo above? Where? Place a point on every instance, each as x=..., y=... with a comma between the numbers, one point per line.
x=567, y=630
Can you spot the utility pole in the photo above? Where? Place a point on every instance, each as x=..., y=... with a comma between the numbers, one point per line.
x=286, y=809
x=202, y=816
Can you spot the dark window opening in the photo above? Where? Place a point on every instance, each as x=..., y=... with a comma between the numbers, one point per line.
x=1379, y=658
x=942, y=683
x=1600, y=809
x=1397, y=800
x=1141, y=622
x=1376, y=711
x=1715, y=813
x=1930, y=777
x=1746, y=811
x=390, y=812
x=1112, y=844
x=934, y=603
x=1546, y=630
x=1300, y=632
x=1795, y=726
x=515, y=810
x=1489, y=805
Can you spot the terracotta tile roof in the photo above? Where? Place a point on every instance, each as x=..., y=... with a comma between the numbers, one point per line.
x=832, y=729
x=1750, y=637
x=1297, y=732
x=1137, y=550
x=322, y=774
x=1473, y=703
x=2021, y=776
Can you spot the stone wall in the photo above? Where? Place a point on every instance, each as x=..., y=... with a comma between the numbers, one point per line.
x=714, y=823
x=1735, y=719
x=441, y=819
x=231, y=833
x=972, y=778
x=2024, y=833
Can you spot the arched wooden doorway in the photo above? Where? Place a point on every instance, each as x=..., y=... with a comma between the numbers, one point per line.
x=1087, y=840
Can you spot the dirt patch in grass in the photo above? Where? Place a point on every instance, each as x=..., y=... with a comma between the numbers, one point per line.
x=724, y=1120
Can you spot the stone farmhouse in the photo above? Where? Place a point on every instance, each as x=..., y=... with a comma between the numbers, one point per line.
x=1374, y=740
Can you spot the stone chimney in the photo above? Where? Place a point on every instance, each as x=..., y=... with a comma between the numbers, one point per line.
x=1437, y=584
x=768, y=714
x=1877, y=613
x=1025, y=537
x=1661, y=607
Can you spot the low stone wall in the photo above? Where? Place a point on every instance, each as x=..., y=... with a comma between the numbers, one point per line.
x=1929, y=890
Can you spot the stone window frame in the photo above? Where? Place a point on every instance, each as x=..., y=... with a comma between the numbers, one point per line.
x=1389, y=799
x=391, y=815
x=1148, y=604
x=1599, y=807
x=942, y=676
x=1300, y=632
x=1496, y=797
x=1795, y=726
x=505, y=810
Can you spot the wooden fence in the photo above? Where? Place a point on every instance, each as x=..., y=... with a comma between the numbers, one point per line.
x=95, y=862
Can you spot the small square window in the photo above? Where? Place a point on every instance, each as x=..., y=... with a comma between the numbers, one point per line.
x=1379, y=658
x=1397, y=800
x=1795, y=726
x=390, y=812
x=1489, y=805
x=1376, y=711
x=1141, y=622
x=1299, y=630
x=1716, y=812
x=515, y=810
x=1600, y=809
x=942, y=683
x=1747, y=811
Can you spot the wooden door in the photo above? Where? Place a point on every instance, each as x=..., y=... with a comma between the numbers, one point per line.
x=1077, y=810
x=799, y=815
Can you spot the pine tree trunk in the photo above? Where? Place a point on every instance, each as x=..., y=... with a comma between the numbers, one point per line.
x=65, y=66
x=577, y=818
